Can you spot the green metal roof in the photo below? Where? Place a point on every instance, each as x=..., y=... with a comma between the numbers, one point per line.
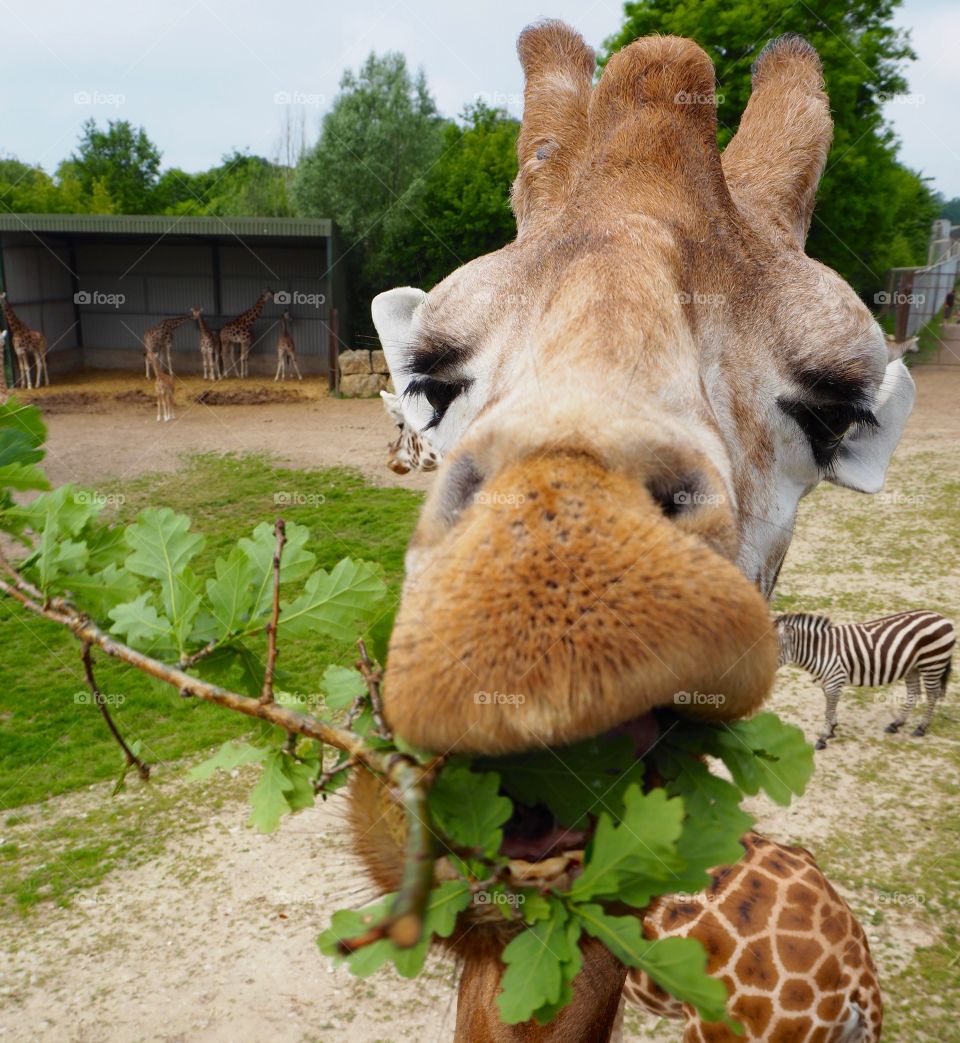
x=144, y=224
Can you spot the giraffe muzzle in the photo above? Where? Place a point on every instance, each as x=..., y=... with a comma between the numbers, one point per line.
x=560, y=601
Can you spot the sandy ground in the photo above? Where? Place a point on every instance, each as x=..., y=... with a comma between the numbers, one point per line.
x=317, y=431
x=214, y=939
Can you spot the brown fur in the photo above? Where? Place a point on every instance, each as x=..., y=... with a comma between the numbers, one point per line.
x=589, y=610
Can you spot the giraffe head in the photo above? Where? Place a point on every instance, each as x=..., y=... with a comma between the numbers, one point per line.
x=410, y=450
x=631, y=399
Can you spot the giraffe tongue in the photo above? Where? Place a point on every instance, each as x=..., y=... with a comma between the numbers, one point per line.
x=534, y=834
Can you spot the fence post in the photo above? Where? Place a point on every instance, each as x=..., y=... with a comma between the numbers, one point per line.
x=333, y=354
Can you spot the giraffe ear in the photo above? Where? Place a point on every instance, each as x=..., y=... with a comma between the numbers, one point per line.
x=395, y=315
x=864, y=456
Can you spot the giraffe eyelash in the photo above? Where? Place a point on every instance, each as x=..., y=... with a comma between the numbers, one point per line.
x=439, y=394
x=826, y=426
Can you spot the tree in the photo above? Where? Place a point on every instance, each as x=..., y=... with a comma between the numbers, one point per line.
x=460, y=208
x=241, y=186
x=865, y=191
x=381, y=132
x=950, y=209
x=123, y=160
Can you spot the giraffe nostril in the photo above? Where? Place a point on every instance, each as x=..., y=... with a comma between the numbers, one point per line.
x=462, y=481
x=677, y=494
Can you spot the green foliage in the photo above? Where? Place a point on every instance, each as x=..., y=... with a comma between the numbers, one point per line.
x=241, y=185
x=583, y=779
x=467, y=807
x=950, y=209
x=381, y=133
x=52, y=740
x=459, y=208
x=447, y=901
x=120, y=162
x=871, y=212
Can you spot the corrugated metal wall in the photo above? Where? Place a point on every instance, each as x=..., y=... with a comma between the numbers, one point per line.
x=39, y=286
x=122, y=288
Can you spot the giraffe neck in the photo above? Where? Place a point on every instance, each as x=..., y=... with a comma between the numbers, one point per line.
x=252, y=314
x=15, y=324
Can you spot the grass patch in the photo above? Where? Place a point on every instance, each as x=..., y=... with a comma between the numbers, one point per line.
x=52, y=740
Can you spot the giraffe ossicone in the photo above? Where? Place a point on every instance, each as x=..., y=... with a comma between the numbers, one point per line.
x=631, y=399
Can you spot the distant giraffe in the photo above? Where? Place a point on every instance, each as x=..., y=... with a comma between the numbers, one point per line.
x=26, y=342
x=163, y=384
x=240, y=332
x=159, y=338
x=286, y=351
x=411, y=450
x=209, y=347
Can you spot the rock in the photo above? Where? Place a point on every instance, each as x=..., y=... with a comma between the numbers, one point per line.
x=352, y=362
x=362, y=385
x=378, y=362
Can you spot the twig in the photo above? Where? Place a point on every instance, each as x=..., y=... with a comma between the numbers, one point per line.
x=132, y=759
x=404, y=925
x=186, y=661
x=407, y=778
x=326, y=777
x=266, y=695
x=373, y=676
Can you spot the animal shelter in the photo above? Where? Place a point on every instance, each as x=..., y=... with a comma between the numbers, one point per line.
x=95, y=283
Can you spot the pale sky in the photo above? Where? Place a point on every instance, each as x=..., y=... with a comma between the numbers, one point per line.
x=207, y=76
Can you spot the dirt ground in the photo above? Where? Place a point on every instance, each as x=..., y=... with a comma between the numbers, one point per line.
x=212, y=937
x=107, y=428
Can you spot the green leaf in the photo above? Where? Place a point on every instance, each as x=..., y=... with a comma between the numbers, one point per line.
x=444, y=905
x=259, y=549
x=143, y=628
x=230, y=593
x=467, y=807
x=56, y=517
x=715, y=821
x=334, y=603
x=637, y=859
x=300, y=776
x=25, y=420
x=675, y=964
x=162, y=544
x=22, y=433
x=571, y=968
x=181, y=602
x=765, y=753
x=230, y=755
x=268, y=802
x=535, y=966
x=101, y=591
x=574, y=782
x=233, y=666
x=342, y=686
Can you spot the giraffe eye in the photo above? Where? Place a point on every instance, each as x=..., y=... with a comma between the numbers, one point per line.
x=440, y=394
x=827, y=425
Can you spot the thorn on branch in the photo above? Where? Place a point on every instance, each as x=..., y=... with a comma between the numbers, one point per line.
x=266, y=695
x=132, y=759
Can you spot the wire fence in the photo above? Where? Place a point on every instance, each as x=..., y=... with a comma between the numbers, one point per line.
x=916, y=295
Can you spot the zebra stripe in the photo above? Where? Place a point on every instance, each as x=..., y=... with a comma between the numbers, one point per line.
x=915, y=646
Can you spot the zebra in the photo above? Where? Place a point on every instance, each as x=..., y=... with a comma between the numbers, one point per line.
x=915, y=646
